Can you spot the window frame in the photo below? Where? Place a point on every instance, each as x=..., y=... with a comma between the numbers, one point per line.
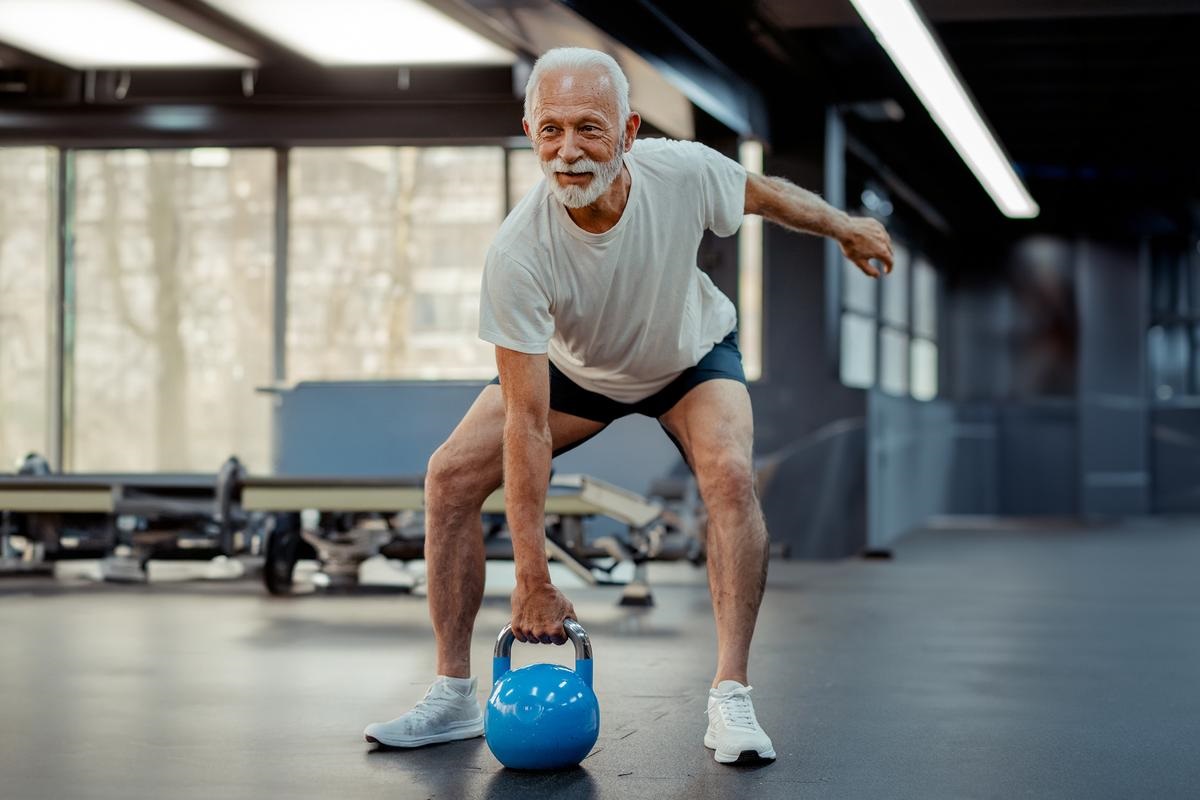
x=885, y=326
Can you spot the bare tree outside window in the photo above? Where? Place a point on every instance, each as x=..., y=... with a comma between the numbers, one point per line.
x=173, y=259
x=524, y=172
x=27, y=216
x=385, y=258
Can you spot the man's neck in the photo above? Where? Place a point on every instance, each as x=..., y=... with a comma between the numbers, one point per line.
x=606, y=212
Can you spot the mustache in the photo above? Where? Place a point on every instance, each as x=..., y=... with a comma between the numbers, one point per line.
x=580, y=166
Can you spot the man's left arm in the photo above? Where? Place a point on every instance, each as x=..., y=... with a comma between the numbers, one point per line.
x=782, y=202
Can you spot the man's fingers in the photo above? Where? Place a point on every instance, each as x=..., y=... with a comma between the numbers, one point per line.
x=866, y=266
x=538, y=635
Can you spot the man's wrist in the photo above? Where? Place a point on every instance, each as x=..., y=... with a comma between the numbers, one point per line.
x=841, y=225
x=531, y=577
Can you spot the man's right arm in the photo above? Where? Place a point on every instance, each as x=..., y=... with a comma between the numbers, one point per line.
x=538, y=607
x=782, y=202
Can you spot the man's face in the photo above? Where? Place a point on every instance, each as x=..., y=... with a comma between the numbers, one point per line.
x=577, y=131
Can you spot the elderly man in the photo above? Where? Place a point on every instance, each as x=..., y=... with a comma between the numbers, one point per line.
x=593, y=299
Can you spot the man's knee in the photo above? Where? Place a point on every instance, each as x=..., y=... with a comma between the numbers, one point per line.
x=455, y=481
x=727, y=478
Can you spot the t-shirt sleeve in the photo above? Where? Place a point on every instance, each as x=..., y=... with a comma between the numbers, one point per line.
x=514, y=306
x=723, y=189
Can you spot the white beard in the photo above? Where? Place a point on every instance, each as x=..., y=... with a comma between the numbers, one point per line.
x=603, y=174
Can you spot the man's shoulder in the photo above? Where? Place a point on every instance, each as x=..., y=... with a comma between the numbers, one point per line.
x=674, y=162
x=668, y=150
x=522, y=231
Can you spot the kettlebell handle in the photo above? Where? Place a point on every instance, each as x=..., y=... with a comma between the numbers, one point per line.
x=502, y=655
x=575, y=632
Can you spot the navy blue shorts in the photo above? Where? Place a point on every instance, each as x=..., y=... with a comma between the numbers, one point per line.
x=723, y=361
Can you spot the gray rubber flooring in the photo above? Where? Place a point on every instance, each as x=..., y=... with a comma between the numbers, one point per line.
x=977, y=664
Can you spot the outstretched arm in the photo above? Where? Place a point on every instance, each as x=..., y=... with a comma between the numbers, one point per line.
x=785, y=203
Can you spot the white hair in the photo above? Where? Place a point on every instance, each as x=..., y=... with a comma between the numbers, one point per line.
x=579, y=58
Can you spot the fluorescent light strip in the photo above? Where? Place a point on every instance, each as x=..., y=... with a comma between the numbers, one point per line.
x=361, y=32
x=750, y=273
x=904, y=36
x=109, y=34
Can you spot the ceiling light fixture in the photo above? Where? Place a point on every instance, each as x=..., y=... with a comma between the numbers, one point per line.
x=903, y=33
x=364, y=32
x=109, y=34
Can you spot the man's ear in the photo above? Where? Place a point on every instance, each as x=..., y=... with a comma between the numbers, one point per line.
x=631, y=128
x=525, y=127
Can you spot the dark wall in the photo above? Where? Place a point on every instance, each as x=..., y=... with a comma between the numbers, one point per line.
x=1114, y=445
x=800, y=391
x=1042, y=276
x=808, y=426
x=1012, y=318
x=1050, y=329
x=928, y=459
x=1175, y=452
x=911, y=465
x=1011, y=353
x=1037, y=458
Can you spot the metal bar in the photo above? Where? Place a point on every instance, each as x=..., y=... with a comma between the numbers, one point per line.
x=54, y=344
x=560, y=554
x=490, y=122
x=835, y=195
x=279, y=298
x=334, y=499
x=282, y=196
x=64, y=418
x=97, y=500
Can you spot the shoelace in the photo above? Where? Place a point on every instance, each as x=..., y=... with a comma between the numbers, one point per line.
x=736, y=709
x=433, y=702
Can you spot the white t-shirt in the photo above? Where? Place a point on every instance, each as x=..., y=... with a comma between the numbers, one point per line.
x=623, y=312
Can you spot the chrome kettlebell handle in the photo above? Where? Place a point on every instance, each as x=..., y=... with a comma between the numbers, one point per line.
x=575, y=632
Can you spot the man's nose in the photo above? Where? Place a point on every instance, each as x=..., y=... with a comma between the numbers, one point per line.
x=569, y=150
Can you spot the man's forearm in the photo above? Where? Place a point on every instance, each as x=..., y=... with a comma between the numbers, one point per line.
x=527, y=453
x=789, y=205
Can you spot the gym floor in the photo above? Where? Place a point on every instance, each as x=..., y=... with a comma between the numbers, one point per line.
x=979, y=663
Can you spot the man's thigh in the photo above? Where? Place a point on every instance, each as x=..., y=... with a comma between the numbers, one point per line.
x=713, y=424
x=479, y=437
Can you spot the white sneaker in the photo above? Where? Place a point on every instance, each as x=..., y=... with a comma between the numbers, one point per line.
x=445, y=715
x=733, y=730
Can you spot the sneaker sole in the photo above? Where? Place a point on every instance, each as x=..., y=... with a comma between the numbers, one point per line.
x=474, y=731
x=741, y=757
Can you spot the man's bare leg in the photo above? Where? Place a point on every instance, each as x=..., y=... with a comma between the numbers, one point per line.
x=714, y=424
x=461, y=474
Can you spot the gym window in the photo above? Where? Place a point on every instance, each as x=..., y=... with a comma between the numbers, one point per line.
x=1173, y=341
x=28, y=215
x=169, y=315
x=385, y=255
x=889, y=327
x=173, y=308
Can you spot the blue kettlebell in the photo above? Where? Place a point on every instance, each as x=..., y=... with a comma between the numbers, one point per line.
x=543, y=716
